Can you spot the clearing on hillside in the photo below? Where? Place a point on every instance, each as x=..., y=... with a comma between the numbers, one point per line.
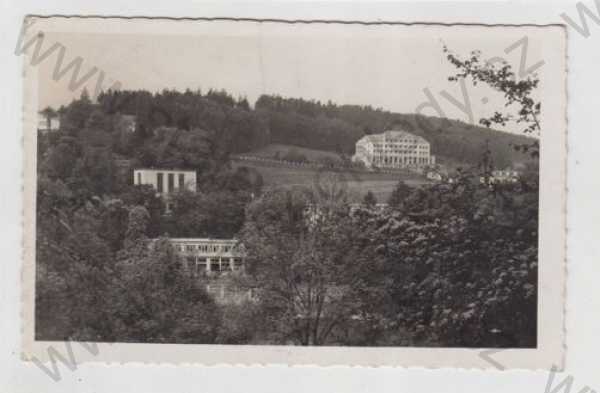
x=356, y=183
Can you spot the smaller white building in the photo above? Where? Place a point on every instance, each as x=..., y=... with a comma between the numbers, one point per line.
x=507, y=175
x=127, y=122
x=46, y=124
x=165, y=181
x=433, y=175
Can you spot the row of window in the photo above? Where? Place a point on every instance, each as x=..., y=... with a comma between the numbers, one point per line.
x=212, y=248
x=170, y=181
x=199, y=265
x=401, y=151
x=160, y=184
x=401, y=160
x=404, y=146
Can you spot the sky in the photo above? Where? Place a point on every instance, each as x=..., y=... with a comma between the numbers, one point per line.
x=383, y=66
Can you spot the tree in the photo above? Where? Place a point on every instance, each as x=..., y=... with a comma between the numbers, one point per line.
x=58, y=161
x=516, y=92
x=218, y=214
x=156, y=299
x=114, y=219
x=398, y=196
x=137, y=226
x=73, y=268
x=294, y=155
x=77, y=113
x=370, y=200
x=145, y=195
x=462, y=266
x=311, y=270
x=49, y=113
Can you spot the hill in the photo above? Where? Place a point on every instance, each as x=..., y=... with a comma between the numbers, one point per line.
x=356, y=186
x=336, y=128
x=278, y=150
x=237, y=128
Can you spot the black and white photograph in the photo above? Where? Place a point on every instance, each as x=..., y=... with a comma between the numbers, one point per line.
x=247, y=183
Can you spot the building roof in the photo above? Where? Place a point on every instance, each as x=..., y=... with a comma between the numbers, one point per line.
x=389, y=134
x=197, y=240
x=403, y=134
x=164, y=169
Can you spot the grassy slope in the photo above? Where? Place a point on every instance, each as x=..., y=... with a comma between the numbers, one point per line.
x=356, y=184
x=311, y=154
x=450, y=139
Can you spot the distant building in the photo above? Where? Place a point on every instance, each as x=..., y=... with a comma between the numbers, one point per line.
x=123, y=163
x=393, y=149
x=376, y=207
x=123, y=168
x=217, y=261
x=209, y=255
x=507, y=175
x=433, y=175
x=165, y=181
x=127, y=122
x=48, y=125
x=314, y=213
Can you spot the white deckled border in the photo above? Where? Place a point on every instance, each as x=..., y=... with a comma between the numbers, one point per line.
x=552, y=253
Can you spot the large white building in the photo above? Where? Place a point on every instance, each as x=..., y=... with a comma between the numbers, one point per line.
x=165, y=181
x=393, y=149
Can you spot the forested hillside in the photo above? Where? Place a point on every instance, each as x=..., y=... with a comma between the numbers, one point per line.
x=311, y=124
x=337, y=127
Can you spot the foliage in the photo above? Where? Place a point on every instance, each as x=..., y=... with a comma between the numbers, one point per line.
x=156, y=299
x=243, y=323
x=294, y=156
x=464, y=265
x=174, y=148
x=145, y=195
x=370, y=199
x=326, y=126
x=49, y=113
x=86, y=291
x=399, y=195
x=234, y=125
x=451, y=264
x=517, y=92
x=310, y=269
x=218, y=214
x=73, y=265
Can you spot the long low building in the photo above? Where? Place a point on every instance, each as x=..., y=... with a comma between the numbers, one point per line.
x=200, y=255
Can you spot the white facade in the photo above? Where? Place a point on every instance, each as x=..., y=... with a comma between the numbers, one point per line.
x=501, y=176
x=209, y=255
x=43, y=123
x=433, y=175
x=393, y=149
x=127, y=122
x=166, y=181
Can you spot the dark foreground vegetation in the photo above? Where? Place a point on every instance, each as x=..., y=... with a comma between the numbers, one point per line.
x=444, y=265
